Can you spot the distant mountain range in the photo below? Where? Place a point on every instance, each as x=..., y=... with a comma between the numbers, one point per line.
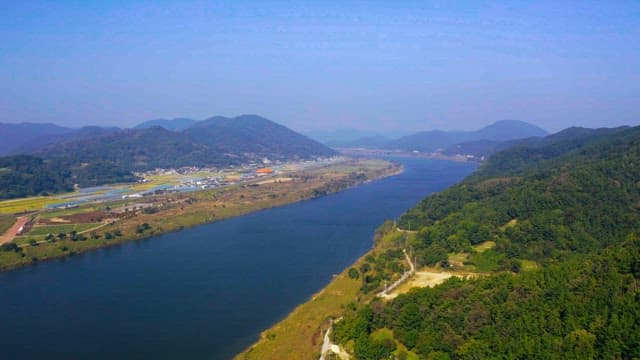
x=93, y=155
x=244, y=137
x=16, y=136
x=500, y=131
x=62, y=157
x=346, y=137
x=482, y=142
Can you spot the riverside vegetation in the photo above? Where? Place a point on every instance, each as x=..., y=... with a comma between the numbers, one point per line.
x=552, y=227
x=69, y=231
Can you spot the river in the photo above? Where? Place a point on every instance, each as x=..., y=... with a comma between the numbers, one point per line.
x=204, y=292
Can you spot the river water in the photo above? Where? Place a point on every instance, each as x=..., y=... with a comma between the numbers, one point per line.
x=204, y=292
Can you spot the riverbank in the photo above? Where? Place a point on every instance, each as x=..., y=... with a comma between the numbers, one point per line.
x=300, y=334
x=106, y=224
x=367, y=152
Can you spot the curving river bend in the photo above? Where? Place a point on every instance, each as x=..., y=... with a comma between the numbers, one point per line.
x=204, y=292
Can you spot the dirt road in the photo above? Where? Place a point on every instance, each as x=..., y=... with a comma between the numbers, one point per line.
x=13, y=231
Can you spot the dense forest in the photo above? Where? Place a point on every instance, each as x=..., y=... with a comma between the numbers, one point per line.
x=569, y=205
x=26, y=175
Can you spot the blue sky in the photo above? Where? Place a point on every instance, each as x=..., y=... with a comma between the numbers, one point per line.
x=376, y=65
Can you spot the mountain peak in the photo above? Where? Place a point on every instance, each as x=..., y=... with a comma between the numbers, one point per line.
x=499, y=131
x=254, y=134
x=504, y=130
x=176, y=124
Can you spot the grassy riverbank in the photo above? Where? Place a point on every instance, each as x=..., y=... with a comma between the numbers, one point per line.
x=299, y=335
x=92, y=226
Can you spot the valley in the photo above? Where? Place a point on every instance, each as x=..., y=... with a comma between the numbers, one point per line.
x=554, y=222
x=408, y=180
x=168, y=200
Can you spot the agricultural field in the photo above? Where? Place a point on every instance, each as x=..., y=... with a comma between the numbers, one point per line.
x=105, y=223
x=27, y=204
x=64, y=229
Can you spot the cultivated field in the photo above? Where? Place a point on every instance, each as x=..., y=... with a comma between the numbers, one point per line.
x=62, y=232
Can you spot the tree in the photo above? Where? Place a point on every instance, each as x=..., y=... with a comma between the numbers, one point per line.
x=579, y=344
x=473, y=350
x=11, y=246
x=353, y=273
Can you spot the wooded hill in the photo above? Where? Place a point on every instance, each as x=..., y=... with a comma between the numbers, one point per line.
x=93, y=156
x=564, y=216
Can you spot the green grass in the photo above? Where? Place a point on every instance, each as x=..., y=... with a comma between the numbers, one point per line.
x=27, y=204
x=292, y=337
x=6, y=221
x=383, y=334
x=486, y=261
x=66, y=212
x=529, y=265
x=57, y=229
x=480, y=248
x=458, y=257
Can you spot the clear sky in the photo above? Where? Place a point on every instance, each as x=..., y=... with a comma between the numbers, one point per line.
x=377, y=65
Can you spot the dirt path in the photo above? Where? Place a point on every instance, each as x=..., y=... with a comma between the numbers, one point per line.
x=329, y=347
x=80, y=232
x=388, y=291
x=13, y=231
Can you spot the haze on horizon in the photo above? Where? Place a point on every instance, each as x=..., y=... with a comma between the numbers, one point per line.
x=383, y=66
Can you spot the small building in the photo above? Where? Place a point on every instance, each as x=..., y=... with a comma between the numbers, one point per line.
x=132, y=196
x=264, y=171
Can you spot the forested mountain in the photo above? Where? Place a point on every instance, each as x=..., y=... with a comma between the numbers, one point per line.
x=138, y=149
x=561, y=280
x=176, y=124
x=15, y=136
x=500, y=131
x=508, y=130
x=478, y=148
x=27, y=175
x=44, y=141
x=254, y=137
x=24, y=175
x=93, y=155
x=218, y=141
x=245, y=135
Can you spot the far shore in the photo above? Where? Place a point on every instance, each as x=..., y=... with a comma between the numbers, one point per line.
x=100, y=226
x=367, y=152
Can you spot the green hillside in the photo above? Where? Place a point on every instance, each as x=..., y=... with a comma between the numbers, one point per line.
x=93, y=156
x=255, y=137
x=562, y=279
